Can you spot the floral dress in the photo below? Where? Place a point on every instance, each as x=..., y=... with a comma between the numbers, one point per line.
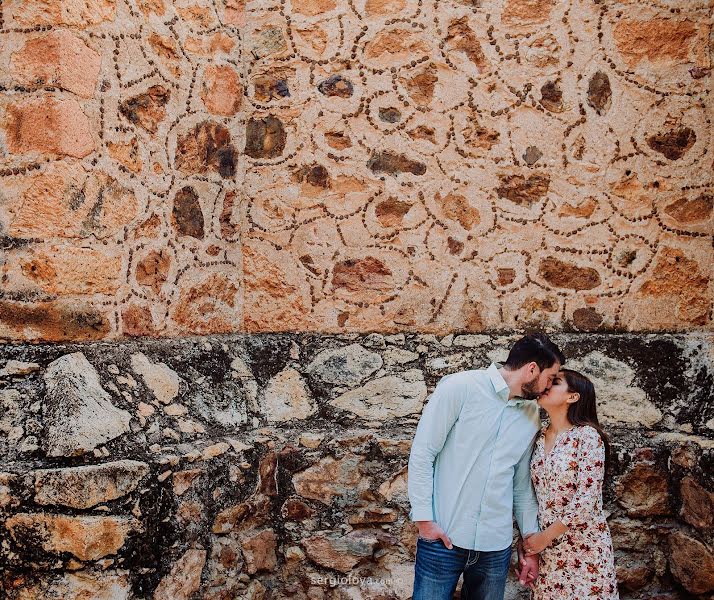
x=579, y=564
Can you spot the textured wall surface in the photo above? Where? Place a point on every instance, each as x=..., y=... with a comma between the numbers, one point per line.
x=393, y=181
x=270, y=466
x=197, y=167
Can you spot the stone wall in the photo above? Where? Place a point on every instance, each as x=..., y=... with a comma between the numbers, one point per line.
x=271, y=465
x=215, y=166
x=306, y=212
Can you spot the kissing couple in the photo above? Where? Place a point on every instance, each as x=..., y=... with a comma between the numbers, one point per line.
x=480, y=455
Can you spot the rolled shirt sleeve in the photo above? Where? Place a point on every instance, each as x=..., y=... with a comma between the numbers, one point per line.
x=525, y=503
x=438, y=417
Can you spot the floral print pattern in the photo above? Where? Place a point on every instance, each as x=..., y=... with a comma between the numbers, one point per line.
x=579, y=565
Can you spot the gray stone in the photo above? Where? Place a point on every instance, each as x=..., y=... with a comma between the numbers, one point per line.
x=532, y=155
x=619, y=399
x=287, y=397
x=398, y=356
x=386, y=397
x=225, y=403
x=339, y=552
x=11, y=415
x=83, y=585
x=600, y=92
x=447, y=364
x=160, y=379
x=471, y=341
x=78, y=412
x=87, y=486
x=18, y=368
x=349, y=365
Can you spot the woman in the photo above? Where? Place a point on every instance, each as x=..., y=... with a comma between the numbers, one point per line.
x=567, y=469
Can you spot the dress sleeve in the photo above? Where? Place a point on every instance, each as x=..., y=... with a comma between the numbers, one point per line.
x=590, y=459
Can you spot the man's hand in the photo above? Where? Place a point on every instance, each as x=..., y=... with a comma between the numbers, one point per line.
x=430, y=530
x=527, y=570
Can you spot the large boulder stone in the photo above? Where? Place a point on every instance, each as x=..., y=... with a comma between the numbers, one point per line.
x=287, y=397
x=697, y=504
x=185, y=577
x=60, y=59
x=84, y=487
x=48, y=125
x=329, y=478
x=630, y=534
x=643, y=491
x=349, y=365
x=340, y=552
x=692, y=563
x=87, y=537
x=78, y=412
x=386, y=397
x=619, y=398
x=159, y=378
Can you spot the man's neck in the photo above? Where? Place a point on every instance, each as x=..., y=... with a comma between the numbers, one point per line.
x=514, y=388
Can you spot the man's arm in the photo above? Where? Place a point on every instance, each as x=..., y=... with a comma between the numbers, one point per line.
x=525, y=508
x=438, y=417
x=525, y=504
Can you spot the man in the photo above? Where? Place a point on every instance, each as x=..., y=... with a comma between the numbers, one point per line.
x=469, y=472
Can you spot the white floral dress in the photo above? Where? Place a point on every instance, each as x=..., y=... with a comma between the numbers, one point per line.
x=579, y=565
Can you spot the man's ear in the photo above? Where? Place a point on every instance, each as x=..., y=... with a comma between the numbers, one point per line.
x=532, y=366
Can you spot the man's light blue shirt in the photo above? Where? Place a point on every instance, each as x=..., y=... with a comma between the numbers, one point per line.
x=469, y=467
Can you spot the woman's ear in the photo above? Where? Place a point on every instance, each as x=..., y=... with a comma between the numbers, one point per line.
x=573, y=398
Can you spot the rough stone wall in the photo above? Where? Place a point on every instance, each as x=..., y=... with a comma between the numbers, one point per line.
x=269, y=466
x=421, y=170
x=198, y=167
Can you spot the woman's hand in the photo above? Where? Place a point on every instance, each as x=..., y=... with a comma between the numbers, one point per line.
x=536, y=543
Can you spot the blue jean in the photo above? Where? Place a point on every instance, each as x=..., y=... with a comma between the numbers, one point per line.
x=437, y=572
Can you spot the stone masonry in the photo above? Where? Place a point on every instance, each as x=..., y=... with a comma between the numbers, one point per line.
x=270, y=466
x=212, y=166
x=241, y=241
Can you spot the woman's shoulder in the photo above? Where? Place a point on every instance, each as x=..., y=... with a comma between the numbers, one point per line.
x=588, y=433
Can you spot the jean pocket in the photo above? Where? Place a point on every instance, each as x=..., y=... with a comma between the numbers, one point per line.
x=428, y=541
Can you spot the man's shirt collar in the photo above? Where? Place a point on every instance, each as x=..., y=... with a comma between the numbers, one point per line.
x=499, y=384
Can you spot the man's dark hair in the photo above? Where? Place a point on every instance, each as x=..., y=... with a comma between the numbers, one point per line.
x=534, y=347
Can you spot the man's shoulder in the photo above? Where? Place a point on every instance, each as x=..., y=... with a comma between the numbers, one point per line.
x=465, y=378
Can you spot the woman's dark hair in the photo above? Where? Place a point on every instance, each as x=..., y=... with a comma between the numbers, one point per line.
x=584, y=411
x=534, y=347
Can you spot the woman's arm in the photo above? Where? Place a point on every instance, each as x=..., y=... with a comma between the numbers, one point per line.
x=580, y=509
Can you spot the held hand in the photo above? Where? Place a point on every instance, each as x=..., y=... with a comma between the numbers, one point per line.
x=536, y=543
x=528, y=571
x=430, y=530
